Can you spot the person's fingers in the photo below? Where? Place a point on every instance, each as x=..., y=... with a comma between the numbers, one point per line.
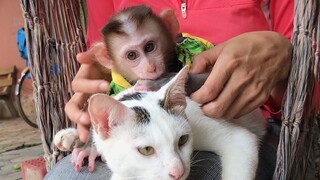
x=89, y=86
x=85, y=57
x=83, y=81
x=202, y=62
x=83, y=132
x=96, y=53
x=246, y=102
x=220, y=74
x=247, y=106
x=236, y=87
x=205, y=60
x=217, y=108
x=74, y=106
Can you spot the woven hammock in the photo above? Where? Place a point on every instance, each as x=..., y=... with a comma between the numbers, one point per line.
x=55, y=34
x=298, y=146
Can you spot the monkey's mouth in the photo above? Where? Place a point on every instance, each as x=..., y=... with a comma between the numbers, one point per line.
x=151, y=76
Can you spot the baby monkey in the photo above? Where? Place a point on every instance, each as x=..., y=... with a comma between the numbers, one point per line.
x=141, y=46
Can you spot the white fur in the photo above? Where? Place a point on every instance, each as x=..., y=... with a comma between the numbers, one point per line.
x=236, y=141
x=237, y=146
x=120, y=149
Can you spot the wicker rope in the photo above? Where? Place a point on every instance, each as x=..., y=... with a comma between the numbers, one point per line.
x=296, y=145
x=54, y=37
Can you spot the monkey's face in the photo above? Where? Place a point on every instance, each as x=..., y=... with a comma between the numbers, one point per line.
x=141, y=54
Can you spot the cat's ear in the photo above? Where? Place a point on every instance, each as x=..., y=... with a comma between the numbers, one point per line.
x=173, y=93
x=106, y=112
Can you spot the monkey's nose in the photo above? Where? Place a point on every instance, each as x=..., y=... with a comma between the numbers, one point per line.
x=151, y=68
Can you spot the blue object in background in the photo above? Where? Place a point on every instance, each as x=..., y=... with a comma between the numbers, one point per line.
x=22, y=45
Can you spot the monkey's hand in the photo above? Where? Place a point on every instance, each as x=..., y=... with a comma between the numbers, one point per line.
x=79, y=154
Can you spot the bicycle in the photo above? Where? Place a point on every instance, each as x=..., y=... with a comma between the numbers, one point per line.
x=25, y=100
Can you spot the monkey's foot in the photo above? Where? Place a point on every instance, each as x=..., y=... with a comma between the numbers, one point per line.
x=67, y=139
x=79, y=154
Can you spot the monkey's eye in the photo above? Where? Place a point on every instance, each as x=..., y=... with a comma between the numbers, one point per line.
x=183, y=140
x=146, y=151
x=149, y=47
x=132, y=55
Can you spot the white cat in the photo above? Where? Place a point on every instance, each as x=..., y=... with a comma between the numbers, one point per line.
x=151, y=135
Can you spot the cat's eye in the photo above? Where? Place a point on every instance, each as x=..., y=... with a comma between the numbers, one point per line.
x=183, y=140
x=149, y=47
x=146, y=151
x=132, y=55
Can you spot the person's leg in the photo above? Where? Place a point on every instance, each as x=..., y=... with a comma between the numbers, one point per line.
x=268, y=151
x=64, y=170
x=205, y=165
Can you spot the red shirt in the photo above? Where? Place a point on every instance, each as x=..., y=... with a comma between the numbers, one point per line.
x=214, y=20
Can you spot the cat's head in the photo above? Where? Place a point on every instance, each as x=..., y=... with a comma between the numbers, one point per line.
x=147, y=135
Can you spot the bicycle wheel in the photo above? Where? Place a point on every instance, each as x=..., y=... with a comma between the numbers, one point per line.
x=25, y=100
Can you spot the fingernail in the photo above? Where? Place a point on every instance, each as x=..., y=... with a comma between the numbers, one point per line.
x=104, y=86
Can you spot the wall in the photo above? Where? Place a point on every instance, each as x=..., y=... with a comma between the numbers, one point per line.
x=11, y=20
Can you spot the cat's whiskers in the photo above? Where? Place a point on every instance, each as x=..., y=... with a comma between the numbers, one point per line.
x=195, y=162
x=140, y=177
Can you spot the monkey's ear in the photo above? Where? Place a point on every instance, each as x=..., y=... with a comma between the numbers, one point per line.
x=171, y=21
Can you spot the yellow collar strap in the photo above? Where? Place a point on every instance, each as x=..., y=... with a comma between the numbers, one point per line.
x=119, y=80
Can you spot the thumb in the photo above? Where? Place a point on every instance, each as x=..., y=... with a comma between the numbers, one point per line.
x=96, y=53
x=205, y=60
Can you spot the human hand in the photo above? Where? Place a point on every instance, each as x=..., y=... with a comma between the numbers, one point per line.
x=89, y=79
x=245, y=71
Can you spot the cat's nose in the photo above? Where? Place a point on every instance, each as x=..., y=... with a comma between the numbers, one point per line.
x=176, y=173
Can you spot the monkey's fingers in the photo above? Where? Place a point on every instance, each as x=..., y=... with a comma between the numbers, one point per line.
x=80, y=158
x=92, y=157
x=74, y=155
